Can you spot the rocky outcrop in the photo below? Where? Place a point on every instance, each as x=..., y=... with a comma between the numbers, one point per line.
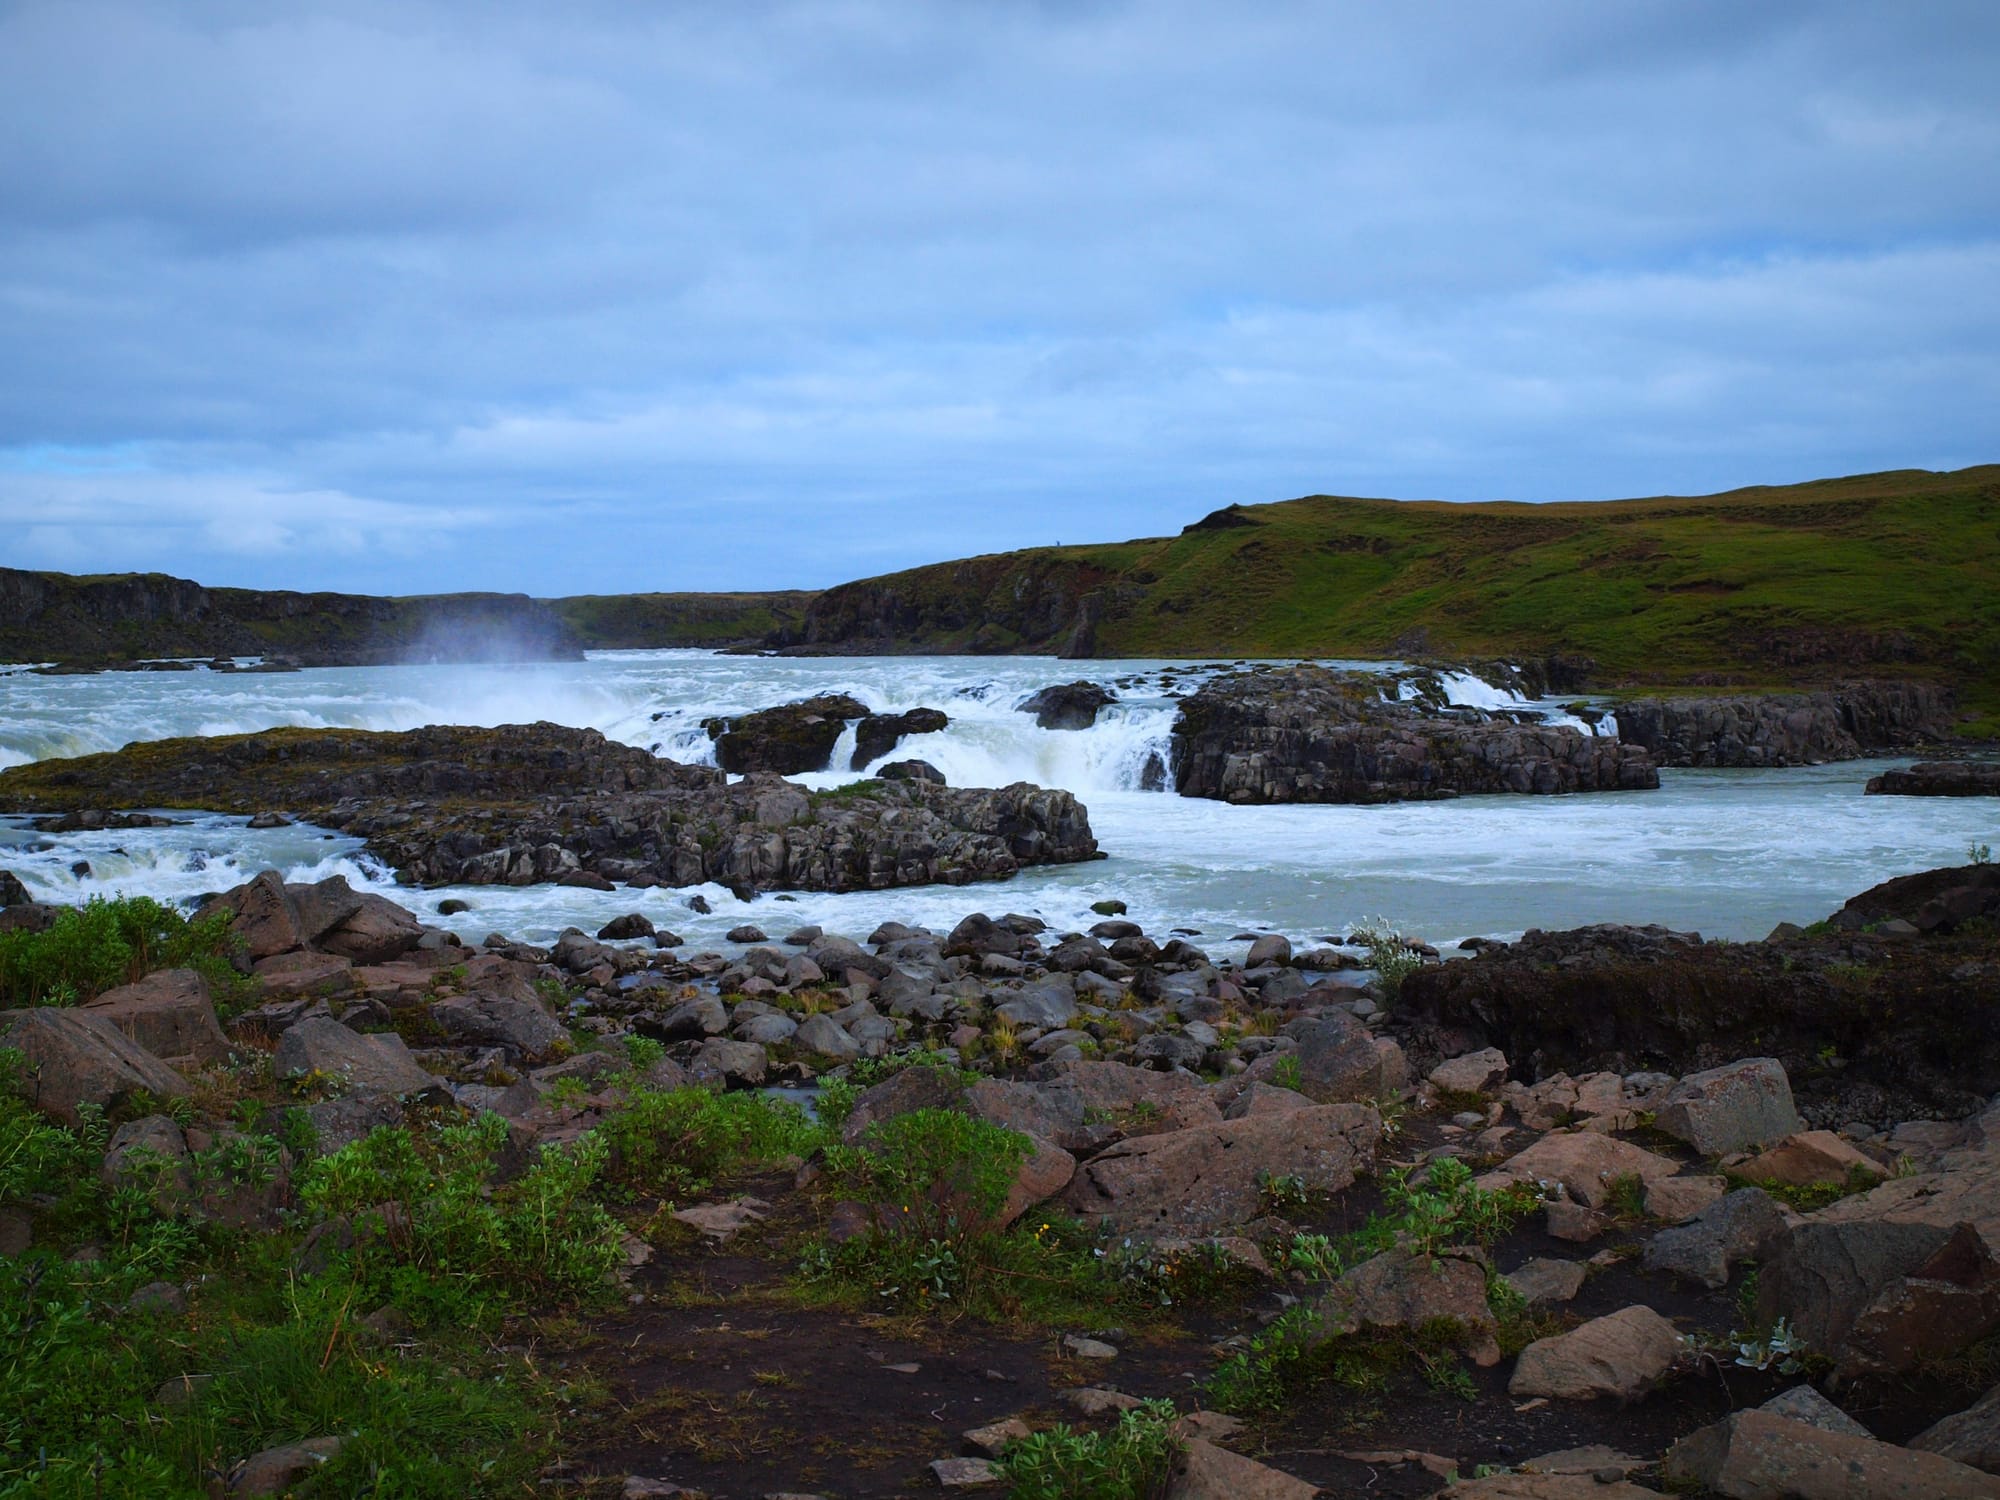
x=1866, y=1025
x=1939, y=778
x=124, y=616
x=789, y=739
x=878, y=734
x=529, y=803
x=1932, y=901
x=1786, y=729
x=1310, y=734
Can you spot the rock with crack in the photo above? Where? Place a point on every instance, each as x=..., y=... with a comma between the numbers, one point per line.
x=1753, y=1455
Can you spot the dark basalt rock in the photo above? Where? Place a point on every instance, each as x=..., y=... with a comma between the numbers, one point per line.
x=530, y=803
x=1932, y=901
x=789, y=739
x=878, y=734
x=1310, y=734
x=1786, y=729
x=1869, y=1027
x=1071, y=705
x=1940, y=778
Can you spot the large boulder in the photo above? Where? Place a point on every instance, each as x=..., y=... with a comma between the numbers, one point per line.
x=1586, y=1163
x=1906, y=1272
x=261, y=916
x=1203, y=1471
x=878, y=734
x=791, y=738
x=78, y=1057
x=169, y=1013
x=12, y=892
x=1211, y=1177
x=378, y=1063
x=1786, y=729
x=1755, y=1455
x=1071, y=705
x=1731, y=1230
x=1732, y=1108
x=1624, y=1355
x=499, y=1020
x=377, y=931
x=1970, y=1437
x=1400, y=1289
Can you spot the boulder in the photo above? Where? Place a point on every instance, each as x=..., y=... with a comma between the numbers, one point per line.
x=1678, y=1199
x=1046, y=1172
x=1402, y=1290
x=1210, y=1177
x=1908, y=1271
x=379, y=1063
x=878, y=734
x=12, y=892
x=1473, y=1073
x=738, y=1064
x=78, y=1057
x=1271, y=948
x=824, y=1037
x=378, y=931
x=1584, y=1162
x=1543, y=1280
x=322, y=906
x=530, y=1033
x=275, y=1470
x=1811, y=1158
x=261, y=916
x=1734, y=1108
x=1754, y=1455
x=1804, y=1403
x=1339, y=1061
x=622, y=929
x=169, y=1013
x=1969, y=1437
x=303, y=973
x=1202, y=1471
x=150, y=1154
x=789, y=739
x=1624, y=1355
x=1733, y=1229
x=1071, y=705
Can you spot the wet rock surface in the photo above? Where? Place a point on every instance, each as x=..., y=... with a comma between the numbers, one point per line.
x=1940, y=778
x=1786, y=729
x=1312, y=734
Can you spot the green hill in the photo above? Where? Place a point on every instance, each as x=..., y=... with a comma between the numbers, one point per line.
x=1895, y=573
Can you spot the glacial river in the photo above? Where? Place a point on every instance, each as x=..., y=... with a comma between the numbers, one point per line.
x=1727, y=853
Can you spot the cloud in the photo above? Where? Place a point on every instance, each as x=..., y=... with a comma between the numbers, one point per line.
x=774, y=293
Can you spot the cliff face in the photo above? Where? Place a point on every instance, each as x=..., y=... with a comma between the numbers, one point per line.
x=114, y=617
x=1786, y=729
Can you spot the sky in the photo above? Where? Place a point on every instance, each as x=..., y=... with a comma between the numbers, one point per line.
x=605, y=297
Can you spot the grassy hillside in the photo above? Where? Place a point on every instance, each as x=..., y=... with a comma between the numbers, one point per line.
x=614, y=622
x=1895, y=573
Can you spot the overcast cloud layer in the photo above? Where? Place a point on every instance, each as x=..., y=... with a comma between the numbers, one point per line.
x=605, y=297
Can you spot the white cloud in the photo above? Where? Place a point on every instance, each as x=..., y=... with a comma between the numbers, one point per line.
x=728, y=296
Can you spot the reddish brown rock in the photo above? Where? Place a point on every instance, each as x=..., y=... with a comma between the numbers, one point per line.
x=169, y=1013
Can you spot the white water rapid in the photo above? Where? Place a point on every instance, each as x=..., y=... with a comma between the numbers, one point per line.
x=1730, y=853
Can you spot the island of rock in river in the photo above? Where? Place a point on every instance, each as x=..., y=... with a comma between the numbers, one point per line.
x=529, y=803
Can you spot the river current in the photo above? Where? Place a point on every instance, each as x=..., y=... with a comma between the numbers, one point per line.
x=1727, y=853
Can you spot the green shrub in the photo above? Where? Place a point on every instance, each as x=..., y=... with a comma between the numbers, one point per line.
x=1392, y=960
x=425, y=1201
x=106, y=943
x=673, y=1142
x=940, y=1175
x=1130, y=1462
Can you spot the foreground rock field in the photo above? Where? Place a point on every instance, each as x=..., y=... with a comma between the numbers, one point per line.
x=1608, y=1213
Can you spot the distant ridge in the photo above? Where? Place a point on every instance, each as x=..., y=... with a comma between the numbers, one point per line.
x=1892, y=574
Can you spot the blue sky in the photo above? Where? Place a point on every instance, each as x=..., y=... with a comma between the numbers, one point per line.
x=603, y=297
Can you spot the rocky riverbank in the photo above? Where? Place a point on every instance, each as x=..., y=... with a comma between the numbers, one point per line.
x=1940, y=778
x=1498, y=1251
x=1313, y=734
x=523, y=804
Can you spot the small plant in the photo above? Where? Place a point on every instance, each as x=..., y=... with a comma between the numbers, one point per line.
x=1979, y=854
x=1285, y=1193
x=1628, y=1196
x=1130, y=1462
x=1287, y=1074
x=1389, y=955
x=1781, y=1347
x=644, y=1051
x=1313, y=1256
